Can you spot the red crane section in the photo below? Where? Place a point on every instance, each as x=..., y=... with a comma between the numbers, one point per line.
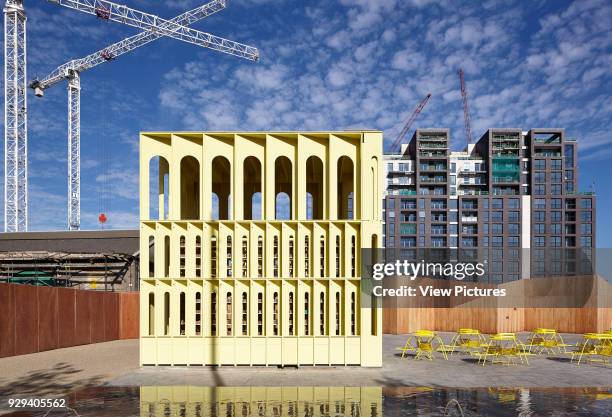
x=409, y=122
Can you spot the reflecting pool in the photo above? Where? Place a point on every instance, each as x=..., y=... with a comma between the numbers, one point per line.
x=330, y=402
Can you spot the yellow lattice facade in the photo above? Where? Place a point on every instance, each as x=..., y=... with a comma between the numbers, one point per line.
x=251, y=244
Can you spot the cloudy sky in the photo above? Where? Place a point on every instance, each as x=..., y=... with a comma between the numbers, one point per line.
x=324, y=65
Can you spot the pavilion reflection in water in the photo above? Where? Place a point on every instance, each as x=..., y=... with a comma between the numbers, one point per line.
x=260, y=401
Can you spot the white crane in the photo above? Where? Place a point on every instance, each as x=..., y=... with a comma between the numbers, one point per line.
x=15, y=119
x=154, y=27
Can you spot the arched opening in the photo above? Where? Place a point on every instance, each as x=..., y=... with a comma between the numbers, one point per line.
x=306, y=314
x=166, y=256
x=190, y=188
x=182, y=256
x=322, y=314
x=275, y=314
x=221, y=188
x=151, y=314
x=229, y=312
x=345, y=188
x=182, y=313
x=291, y=308
x=198, y=313
x=159, y=188
x=314, y=188
x=245, y=310
x=151, y=256
x=252, y=188
x=166, y=313
x=198, y=256
x=283, y=185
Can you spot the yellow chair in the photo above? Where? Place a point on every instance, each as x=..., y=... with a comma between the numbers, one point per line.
x=504, y=348
x=544, y=340
x=425, y=340
x=469, y=339
x=593, y=345
x=407, y=346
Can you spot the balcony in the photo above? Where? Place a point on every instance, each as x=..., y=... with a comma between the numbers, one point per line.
x=469, y=219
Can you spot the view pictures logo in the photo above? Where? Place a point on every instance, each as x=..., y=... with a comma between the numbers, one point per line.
x=412, y=270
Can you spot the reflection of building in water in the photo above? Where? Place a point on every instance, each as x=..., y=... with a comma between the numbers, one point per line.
x=251, y=245
x=260, y=401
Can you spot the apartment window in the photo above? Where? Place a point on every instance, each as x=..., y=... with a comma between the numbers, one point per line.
x=229, y=256
x=585, y=241
x=198, y=313
x=497, y=228
x=555, y=228
x=421, y=204
x=198, y=256
x=260, y=257
x=513, y=203
x=338, y=308
x=497, y=203
x=514, y=216
x=260, y=314
x=291, y=256
x=586, y=228
x=569, y=175
x=322, y=314
x=485, y=228
x=555, y=216
x=555, y=241
x=513, y=228
x=539, y=189
x=338, y=256
x=539, y=216
x=275, y=256
x=513, y=241
x=306, y=314
x=539, y=241
x=322, y=257
x=306, y=256
x=539, y=177
x=555, y=164
x=586, y=216
x=275, y=313
x=586, y=203
x=213, y=314
x=539, y=228
x=245, y=309
x=555, y=203
x=497, y=216
x=228, y=313
x=182, y=256
x=485, y=216
x=497, y=241
x=555, y=177
x=555, y=189
x=213, y=257
x=569, y=187
x=539, y=164
x=539, y=203
x=353, y=314
x=291, y=311
x=245, y=257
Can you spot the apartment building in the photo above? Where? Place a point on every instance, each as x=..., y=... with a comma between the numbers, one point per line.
x=250, y=247
x=510, y=200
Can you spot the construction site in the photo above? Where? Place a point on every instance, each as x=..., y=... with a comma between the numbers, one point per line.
x=245, y=285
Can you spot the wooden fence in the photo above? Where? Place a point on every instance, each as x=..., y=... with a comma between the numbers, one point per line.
x=35, y=319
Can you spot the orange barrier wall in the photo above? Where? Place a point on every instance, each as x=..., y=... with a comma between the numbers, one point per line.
x=34, y=319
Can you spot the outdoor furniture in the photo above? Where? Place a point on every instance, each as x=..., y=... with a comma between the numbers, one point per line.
x=546, y=341
x=594, y=345
x=504, y=348
x=424, y=343
x=470, y=340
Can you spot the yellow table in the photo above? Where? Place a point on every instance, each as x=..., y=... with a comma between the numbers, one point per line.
x=423, y=342
x=469, y=339
x=546, y=341
x=594, y=344
x=504, y=348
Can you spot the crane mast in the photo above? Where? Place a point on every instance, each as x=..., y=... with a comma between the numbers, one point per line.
x=154, y=28
x=466, y=109
x=15, y=119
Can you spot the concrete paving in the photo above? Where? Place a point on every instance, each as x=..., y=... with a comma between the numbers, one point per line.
x=460, y=371
x=116, y=364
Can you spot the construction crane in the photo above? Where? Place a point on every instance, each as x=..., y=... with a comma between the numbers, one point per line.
x=15, y=119
x=16, y=200
x=409, y=122
x=466, y=108
x=72, y=70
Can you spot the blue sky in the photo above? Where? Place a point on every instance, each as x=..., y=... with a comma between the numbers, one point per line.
x=324, y=65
